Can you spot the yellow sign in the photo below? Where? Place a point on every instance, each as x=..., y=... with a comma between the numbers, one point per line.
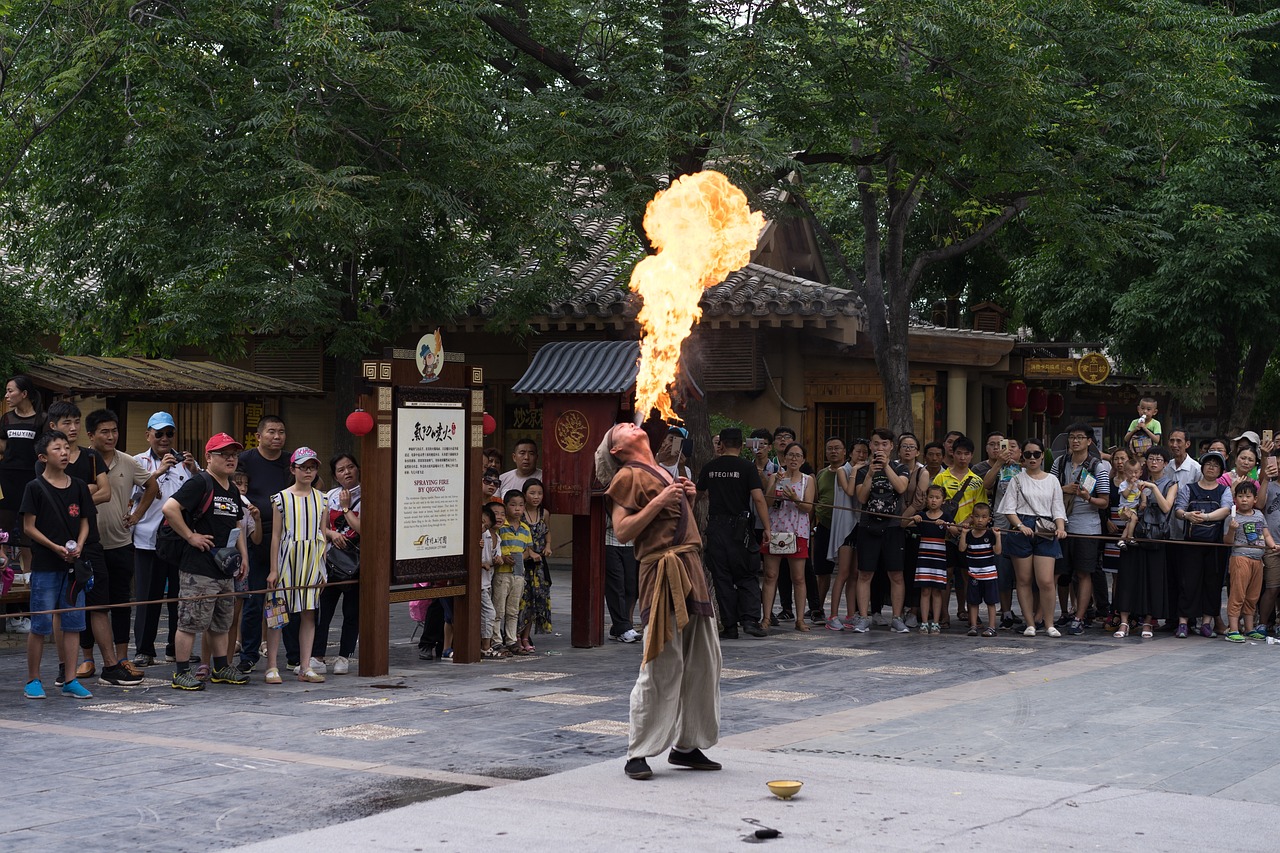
x=1094, y=368
x=572, y=431
x=1050, y=368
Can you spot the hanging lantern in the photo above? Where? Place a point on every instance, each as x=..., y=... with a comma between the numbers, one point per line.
x=489, y=424
x=1037, y=401
x=359, y=422
x=1056, y=405
x=1101, y=411
x=1015, y=394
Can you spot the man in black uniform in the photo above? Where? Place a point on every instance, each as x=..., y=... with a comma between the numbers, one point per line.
x=732, y=484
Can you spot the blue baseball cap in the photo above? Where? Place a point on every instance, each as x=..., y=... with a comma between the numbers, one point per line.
x=161, y=419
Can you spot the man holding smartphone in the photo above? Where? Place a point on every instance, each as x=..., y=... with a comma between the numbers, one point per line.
x=152, y=575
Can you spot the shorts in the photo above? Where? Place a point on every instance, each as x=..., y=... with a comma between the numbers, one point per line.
x=983, y=592
x=197, y=615
x=850, y=541
x=802, y=549
x=1270, y=570
x=1079, y=557
x=1018, y=545
x=881, y=549
x=49, y=592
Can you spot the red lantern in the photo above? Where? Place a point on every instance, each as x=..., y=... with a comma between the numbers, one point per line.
x=1056, y=405
x=1101, y=411
x=1037, y=401
x=1015, y=394
x=489, y=424
x=359, y=422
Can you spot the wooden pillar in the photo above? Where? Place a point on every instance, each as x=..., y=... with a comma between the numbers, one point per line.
x=975, y=428
x=957, y=415
x=588, y=578
x=375, y=534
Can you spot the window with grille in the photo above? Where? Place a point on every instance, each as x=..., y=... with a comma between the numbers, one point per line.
x=845, y=421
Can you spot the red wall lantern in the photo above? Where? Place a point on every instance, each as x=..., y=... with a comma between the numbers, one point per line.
x=1015, y=395
x=1037, y=401
x=1056, y=405
x=1101, y=411
x=359, y=422
x=489, y=424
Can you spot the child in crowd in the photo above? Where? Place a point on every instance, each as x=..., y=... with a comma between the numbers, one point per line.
x=489, y=485
x=1133, y=500
x=299, y=535
x=1246, y=532
x=56, y=509
x=932, y=525
x=490, y=552
x=1144, y=430
x=508, y=580
x=535, y=605
x=980, y=543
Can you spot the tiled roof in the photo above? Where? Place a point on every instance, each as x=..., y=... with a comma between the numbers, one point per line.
x=158, y=378
x=581, y=367
x=599, y=293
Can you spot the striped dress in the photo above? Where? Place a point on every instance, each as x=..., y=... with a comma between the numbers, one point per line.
x=302, y=546
x=931, y=564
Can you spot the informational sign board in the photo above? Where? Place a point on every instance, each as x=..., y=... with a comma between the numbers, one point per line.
x=430, y=444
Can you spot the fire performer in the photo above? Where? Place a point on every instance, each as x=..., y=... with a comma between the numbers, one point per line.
x=675, y=703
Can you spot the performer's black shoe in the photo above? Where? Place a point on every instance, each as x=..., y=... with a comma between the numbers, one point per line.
x=730, y=633
x=694, y=760
x=637, y=768
x=754, y=629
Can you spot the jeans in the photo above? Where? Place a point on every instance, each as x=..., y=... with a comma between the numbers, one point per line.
x=154, y=579
x=729, y=563
x=49, y=592
x=621, y=587
x=329, y=596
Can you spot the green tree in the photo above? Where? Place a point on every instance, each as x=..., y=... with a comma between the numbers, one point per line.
x=304, y=170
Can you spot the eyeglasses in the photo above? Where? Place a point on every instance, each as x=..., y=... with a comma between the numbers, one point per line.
x=165, y=433
x=1032, y=454
x=1077, y=438
x=226, y=454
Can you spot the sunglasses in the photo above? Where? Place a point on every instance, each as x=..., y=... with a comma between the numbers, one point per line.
x=165, y=433
x=1032, y=454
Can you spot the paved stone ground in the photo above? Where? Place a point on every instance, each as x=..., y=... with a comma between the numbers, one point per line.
x=151, y=768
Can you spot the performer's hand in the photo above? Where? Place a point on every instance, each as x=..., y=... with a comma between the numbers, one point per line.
x=671, y=495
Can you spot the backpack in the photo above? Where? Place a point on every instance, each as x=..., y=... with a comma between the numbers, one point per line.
x=881, y=500
x=169, y=545
x=1205, y=500
x=1154, y=524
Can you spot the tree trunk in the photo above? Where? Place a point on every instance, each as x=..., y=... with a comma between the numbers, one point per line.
x=1239, y=381
x=345, y=378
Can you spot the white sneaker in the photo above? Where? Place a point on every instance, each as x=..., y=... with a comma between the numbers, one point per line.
x=18, y=625
x=628, y=636
x=1052, y=631
x=318, y=666
x=341, y=666
x=878, y=619
x=912, y=621
x=1030, y=632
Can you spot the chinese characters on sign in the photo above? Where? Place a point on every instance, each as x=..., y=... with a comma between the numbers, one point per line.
x=430, y=488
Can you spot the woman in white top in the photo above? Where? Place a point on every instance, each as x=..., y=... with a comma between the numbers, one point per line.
x=1034, y=497
x=792, y=493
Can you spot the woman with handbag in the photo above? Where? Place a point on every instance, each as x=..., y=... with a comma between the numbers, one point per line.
x=1141, y=586
x=343, y=563
x=789, y=510
x=1037, y=522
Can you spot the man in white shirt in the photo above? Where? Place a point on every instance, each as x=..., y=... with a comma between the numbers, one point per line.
x=525, y=456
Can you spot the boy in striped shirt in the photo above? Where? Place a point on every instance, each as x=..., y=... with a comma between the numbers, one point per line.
x=508, y=576
x=980, y=543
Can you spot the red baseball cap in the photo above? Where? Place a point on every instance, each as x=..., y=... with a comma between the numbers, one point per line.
x=221, y=441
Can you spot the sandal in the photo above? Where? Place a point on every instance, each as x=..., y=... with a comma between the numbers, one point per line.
x=311, y=677
x=801, y=625
x=989, y=632
x=1147, y=633
x=273, y=676
x=1122, y=631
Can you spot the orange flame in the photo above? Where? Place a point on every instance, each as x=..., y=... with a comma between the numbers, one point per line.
x=702, y=230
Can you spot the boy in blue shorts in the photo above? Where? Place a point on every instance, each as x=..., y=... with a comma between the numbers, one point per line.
x=980, y=543
x=56, y=509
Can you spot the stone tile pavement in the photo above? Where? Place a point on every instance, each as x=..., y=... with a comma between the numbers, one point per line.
x=151, y=768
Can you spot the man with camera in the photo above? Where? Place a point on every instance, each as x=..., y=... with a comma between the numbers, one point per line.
x=207, y=515
x=732, y=485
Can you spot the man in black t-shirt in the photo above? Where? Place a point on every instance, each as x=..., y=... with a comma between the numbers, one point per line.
x=207, y=515
x=732, y=486
x=880, y=484
x=268, y=468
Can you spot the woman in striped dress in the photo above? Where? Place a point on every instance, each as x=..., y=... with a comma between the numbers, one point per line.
x=298, y=539
x=933, y=525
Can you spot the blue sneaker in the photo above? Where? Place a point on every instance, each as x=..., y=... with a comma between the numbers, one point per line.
x=34, y=689
x=76, y=689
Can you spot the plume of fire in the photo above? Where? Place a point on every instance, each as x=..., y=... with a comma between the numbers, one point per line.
x=701, y=229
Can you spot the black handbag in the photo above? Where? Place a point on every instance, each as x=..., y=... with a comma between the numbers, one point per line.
x=343, y=563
